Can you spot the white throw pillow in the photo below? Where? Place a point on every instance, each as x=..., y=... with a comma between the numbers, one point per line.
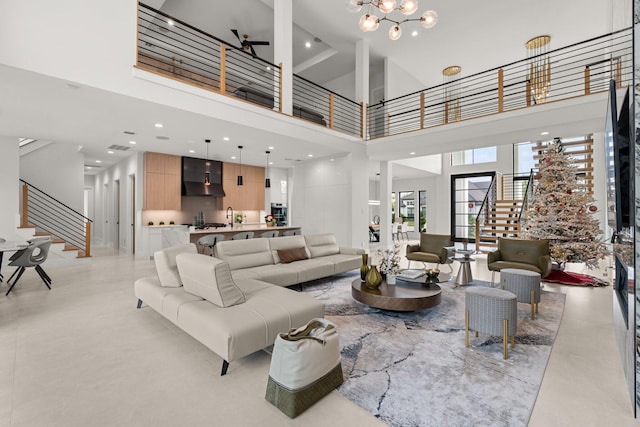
x=166, y=264
x=209, y=278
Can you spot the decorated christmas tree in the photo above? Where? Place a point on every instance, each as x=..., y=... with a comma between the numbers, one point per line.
x=561, y=211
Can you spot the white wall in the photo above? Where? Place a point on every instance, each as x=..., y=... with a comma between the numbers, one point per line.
x=9, y=188
x=58, y=170
x=104, y=223
x=323, y=194
x=343, y=85
x=397, y=81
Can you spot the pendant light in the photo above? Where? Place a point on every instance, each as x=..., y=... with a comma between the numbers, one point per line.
x=207, y=175
x=240, y=179
x=267, y=181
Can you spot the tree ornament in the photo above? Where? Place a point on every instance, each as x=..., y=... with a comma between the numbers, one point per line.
x=593, y=208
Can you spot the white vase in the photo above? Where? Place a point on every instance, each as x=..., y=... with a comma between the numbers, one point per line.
x=391, y=279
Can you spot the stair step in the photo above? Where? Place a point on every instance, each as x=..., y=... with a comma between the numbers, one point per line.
x=82, y=254
x=57, y=240
x=41, y=233
x=70, y=248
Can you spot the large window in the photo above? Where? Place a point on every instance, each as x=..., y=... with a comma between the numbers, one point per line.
x=422, y=197
x=407, y=208
x=474, y=156
x=467, y=195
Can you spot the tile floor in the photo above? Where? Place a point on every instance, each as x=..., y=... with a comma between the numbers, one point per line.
x=82, y=355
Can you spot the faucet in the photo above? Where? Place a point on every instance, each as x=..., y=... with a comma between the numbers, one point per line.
x=230, y=217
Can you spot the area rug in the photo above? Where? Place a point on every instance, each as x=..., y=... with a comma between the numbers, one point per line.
x=566, y=278
x=412, y=369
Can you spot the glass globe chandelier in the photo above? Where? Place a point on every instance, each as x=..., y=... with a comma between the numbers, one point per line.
x=370, y=22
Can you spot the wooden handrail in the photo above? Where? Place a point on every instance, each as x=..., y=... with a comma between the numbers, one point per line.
x=223, y=68
x=500, y=90
x=24, y=216
x=87, y=237
x=331, y=101
x=587, y=80
x=421, y=110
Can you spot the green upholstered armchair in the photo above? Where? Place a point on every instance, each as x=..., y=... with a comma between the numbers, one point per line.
x=432, y=248
x=530, y=255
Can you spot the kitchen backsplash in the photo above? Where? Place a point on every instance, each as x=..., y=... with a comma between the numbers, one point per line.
x=191, y=206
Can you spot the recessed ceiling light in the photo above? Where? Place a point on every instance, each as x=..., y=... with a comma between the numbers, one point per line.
x=268, y=68
x=307, y=45
x=233, y=157
x=309, y=155
x=270, y=163
x=132, y=142
x=192, y=151
x=226, y=138
x=88, y=167
x=98, y=161
x=158, y=125
x=412, y=153
x=170, y=22
x=414, y=33
x=109, y=152
x=544, y=133
x=271, y=148
x=332, y=160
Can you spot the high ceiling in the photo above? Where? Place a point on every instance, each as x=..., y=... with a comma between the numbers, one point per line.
x=474, y=35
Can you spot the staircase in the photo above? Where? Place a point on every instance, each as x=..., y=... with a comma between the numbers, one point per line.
x=501, y=211
x=42, y=215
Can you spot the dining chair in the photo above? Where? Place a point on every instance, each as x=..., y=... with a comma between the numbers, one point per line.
x=295, y=232
x=270, y=233
x=32, y=256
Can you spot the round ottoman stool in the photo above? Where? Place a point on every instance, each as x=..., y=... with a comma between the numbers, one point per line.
x=524, y=283
x=491, y=311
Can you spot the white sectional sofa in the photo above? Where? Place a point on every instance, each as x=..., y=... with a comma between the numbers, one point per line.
x=260, y=259
x=231, y=304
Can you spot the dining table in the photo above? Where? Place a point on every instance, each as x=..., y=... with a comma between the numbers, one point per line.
x=10, y=246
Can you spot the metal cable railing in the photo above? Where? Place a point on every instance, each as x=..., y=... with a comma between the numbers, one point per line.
x=579, y=69
x=46, y=213
x=169, y=46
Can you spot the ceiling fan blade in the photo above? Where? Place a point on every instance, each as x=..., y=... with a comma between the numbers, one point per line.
x=253, y=52
x=237, y=35
x=258, y=43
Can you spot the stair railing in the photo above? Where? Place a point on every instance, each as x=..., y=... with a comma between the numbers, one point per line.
x=528, y=196
x=44, y=212
x=488, y=204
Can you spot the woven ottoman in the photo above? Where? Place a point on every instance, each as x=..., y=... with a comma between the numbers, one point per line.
x=493, y=312
x=525, y=284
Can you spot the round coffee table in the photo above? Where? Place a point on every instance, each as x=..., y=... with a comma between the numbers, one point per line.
x=404, y=296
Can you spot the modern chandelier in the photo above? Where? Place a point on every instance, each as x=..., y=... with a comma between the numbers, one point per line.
x=539, y=76
x=370, y=22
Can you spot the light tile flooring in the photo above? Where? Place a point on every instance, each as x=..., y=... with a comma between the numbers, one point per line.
x=82, y=355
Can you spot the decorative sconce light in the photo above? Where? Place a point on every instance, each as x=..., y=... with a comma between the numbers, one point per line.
x=539, y=78
x=240, y=179
x=267, y=181
x=207, y=175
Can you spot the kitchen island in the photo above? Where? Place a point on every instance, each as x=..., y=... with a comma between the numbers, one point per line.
x=228, y=231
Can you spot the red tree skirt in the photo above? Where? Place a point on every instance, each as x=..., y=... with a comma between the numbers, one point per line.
x=576, y=279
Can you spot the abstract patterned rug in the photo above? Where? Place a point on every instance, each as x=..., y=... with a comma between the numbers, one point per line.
x=412, y=369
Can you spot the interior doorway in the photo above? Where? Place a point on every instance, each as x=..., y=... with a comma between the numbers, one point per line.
x=116, y=213
x=132, y=212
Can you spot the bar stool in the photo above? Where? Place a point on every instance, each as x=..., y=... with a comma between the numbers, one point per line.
x=210, y=240
x=243, y=235
x=295, y=232
x=270, y=233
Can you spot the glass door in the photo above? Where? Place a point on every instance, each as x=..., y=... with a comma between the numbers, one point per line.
x=467, y=194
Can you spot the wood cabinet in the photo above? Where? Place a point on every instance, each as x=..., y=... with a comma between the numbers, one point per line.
x=162, y=185
x=249, y=196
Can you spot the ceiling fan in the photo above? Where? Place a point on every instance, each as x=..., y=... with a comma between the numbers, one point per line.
x=247, y=45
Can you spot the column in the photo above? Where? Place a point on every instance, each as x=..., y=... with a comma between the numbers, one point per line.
x=283, y=48
x=385, y=204
x=362, y=78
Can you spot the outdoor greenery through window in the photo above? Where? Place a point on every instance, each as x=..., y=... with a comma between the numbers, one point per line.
x=422, y=196
x=407, y=209
x=474, y=156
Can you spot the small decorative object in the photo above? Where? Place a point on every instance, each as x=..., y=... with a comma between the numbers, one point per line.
x=364, y=268
x=391, y=279
x=389, y=260
x=373, y=279
x=172, y=222
x=465, y=243
x=150, y=223
x=161, y=223
x=239, y=218
x=593, y=208
x=270, y=220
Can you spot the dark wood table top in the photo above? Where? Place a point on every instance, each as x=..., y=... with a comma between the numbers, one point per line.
x=404, y=296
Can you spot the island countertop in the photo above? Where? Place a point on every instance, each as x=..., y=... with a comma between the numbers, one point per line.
x=237, y=228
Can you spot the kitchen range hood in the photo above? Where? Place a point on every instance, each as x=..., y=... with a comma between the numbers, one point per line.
x=193, y=173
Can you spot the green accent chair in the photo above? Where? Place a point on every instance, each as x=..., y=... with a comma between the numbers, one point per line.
x=433, y=248
x=532, y=255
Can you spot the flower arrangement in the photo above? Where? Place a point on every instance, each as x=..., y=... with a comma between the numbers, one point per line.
x=270, y=219
x=389, y=260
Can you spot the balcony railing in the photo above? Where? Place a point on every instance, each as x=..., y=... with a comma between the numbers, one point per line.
x=579, y=69
x=175, y=49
